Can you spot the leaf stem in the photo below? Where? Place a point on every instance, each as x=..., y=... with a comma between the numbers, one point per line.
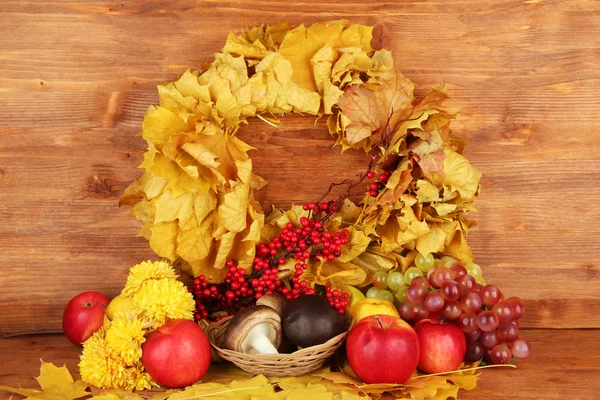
x=468, y=369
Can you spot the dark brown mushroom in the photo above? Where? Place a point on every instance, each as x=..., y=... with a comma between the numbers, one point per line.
x=310, y=320
x=254, y=330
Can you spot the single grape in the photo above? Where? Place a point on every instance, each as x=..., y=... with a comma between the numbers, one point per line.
x=467, y=322
x=416, y=293
x=489, y=339
x=450, y=290
x=501, y=354
x=473, y=336
x=474, y=352
x=372, y=292
x=421, y=280
x=438, y=263
x=486, y=355
x=440, y=276
x=504, y=311
x=424, y=262
x=518, y=307
x=380, y=280
x=459, y=270
x=487, y=321
x=412, y=273
x=405, y=311
x=401, y=295
x=395, y=280
x=508, y=332
x=419, y=311
x=473, y=269
x=467, y=283
x=447, y=260
x=452, y=310
x=480, y=280
x=520, y=348
x=434, y=301
x=490, y=294
x=471, y=302
x=385, y=295
x=431, y=271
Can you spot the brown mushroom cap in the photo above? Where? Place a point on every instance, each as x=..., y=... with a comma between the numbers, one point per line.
x=309, y=320
x=245, y=321
x=274, y=300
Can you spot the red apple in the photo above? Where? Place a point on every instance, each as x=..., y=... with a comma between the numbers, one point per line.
x=84, y=315
x=382, y=349
x=177, y=354
x=442, y=346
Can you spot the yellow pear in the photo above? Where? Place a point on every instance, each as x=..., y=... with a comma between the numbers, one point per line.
x=120, y=304
x=355, y=296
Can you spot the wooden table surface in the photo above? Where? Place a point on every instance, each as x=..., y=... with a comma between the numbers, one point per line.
x=77, y=76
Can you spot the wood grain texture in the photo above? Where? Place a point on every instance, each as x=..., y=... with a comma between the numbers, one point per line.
x=564, y=365
x=76, y=78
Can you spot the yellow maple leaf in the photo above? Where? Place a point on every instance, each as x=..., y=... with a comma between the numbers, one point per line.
x=240, y=45
x=374, y=110
x=357, y=244
x=335, y=273
x=163, y=239
x=56, y=383
x=431, y=242
x=194, y=244
x=461, y=176
x=302, y=43
x=243, y=389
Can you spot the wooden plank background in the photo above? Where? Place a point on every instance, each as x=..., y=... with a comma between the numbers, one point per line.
x=77, y=76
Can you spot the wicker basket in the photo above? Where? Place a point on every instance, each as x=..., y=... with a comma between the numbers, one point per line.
x=295, y=364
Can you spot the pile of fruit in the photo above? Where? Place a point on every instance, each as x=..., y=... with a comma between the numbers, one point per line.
x=436, y=316
x=446, y=291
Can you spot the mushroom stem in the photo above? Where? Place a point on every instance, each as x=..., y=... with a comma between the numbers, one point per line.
x=262, y=345
x=259, y=341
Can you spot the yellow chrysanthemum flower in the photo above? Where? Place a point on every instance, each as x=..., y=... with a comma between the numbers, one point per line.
x=147, y=271
x=101, y=367
x=158, y=301
x=142, y=380
x=125, y=337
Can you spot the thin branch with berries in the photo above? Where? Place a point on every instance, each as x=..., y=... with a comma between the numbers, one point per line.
x=307, y=240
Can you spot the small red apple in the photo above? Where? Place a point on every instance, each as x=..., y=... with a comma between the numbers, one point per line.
x=383, y=349
x=177, y=354
x=84, y=315
x=442, y=345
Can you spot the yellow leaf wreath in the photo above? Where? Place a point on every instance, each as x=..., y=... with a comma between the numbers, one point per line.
x=196, y=196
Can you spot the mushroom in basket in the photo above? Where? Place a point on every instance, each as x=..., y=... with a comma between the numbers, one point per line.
x=309, y=320
x=254, y=330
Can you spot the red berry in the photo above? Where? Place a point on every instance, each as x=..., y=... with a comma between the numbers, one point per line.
x=370, y=174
